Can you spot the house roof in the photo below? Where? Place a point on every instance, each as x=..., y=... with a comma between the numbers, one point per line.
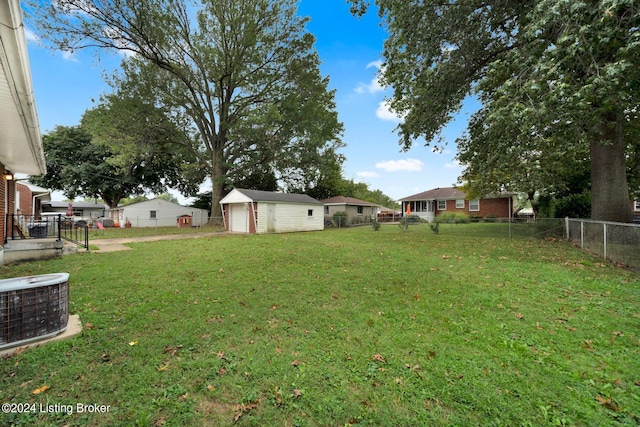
x=78, y=205
x=21, y=146
x=450, y=193
x=269, y=196
x=342, y=200
x=35, y=189
x=444, y=193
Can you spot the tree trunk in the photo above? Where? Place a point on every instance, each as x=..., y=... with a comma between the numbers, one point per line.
x=609, y=190
x=217, y=187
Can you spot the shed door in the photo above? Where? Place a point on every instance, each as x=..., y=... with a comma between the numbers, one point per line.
x=271, y=218
x=238, y=218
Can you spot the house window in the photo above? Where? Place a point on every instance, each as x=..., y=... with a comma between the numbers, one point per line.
x=310, y=212
x=636, y=205
x=360, y=210
x=442, y=205
x=474, y=205
x=153, y=214
x=459, y=204
x=326, y=210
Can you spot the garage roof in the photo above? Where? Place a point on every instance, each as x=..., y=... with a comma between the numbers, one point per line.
x=236, y=196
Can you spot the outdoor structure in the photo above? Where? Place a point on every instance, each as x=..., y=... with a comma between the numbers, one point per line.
x=86, y=211
x=253, y=211
x=358, y=211
x=20, y=141
x=30, y=197
x=156, y=213
x=388, y=215
x=430, y=204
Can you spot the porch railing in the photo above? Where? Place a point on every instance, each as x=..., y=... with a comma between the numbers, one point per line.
x=59, y=227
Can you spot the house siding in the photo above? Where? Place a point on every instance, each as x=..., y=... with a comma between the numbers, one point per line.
x=291, y=217
x=26, y=200
x=166, y=214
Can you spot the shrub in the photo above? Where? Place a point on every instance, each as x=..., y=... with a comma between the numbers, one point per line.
x=435, y=227
x=375, y=225
x=455, y=217
x=490, y=218
x=340, y=219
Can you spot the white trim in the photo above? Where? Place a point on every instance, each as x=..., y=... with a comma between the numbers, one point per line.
x=458, y=202
x=471, y=203
x=438, y=205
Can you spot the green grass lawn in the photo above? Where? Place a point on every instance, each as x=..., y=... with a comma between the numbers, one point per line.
x=115, y=233
x=341, y=327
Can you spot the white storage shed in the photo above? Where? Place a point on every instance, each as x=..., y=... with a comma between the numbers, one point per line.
x=157, y=213
x=253, y=211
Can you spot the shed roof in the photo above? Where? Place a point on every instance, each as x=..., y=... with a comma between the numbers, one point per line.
x=342, y=200
x=270, y=196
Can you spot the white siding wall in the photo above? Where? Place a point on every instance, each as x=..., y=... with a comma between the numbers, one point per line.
x=291, y=217
x=167, y=213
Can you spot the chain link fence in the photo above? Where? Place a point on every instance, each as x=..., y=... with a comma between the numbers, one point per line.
x=613, y=241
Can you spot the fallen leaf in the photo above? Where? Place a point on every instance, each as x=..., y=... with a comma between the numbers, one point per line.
x=161, y=421
x=297, y=393
x=378, y=358
x=519, y=316
x=163, y=367
x=40, y=390
x=608, y=403
x=132, y=343
x=183, y=397
x=296, y=363
x=210, y=387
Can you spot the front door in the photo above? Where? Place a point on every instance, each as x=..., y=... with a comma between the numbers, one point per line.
x=271, y=218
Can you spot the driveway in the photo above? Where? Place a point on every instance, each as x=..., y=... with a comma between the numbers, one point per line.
x=112, y=245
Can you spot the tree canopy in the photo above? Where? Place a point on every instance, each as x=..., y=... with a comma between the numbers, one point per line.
x=559, y=82
x=245, y=73
x=122, y=148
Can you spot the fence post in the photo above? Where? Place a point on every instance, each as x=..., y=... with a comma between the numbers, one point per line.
x=59, y=227
x=581, y=234
x=604, y=229
x=566, y=227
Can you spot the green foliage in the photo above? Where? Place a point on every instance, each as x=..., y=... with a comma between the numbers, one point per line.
x=435, y=227
x=375, y=225
x=452, y=217
x=340, y=219
x=244, y=75
x=556, y=80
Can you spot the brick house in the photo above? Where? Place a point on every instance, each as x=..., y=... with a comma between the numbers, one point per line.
x=429, y=204
x=20, y=142
x=30, y=198
x=358, y=211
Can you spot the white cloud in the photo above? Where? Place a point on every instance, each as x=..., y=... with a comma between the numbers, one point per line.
x=69, y=55
x=453, y=165
x=411, y=165
x=367, y=174
x=31, y=36
x=374, y=85
x=384, y=112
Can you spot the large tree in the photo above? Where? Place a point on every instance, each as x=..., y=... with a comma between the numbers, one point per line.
x=78, y=165
x=245, y=72
x=559, y=81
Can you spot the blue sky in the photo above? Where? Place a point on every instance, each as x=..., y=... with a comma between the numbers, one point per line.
x=350, y=50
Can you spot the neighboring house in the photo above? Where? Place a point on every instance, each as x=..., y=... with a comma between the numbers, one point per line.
x=388, y=215
x=81, y=210
x=358, y=211
x=20, y=141
x=157, y=213
x=30, y=197
x=430, y=204
x=636, y=210
x=253, y=211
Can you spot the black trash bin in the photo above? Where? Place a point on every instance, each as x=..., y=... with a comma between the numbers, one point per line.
x=38, y=230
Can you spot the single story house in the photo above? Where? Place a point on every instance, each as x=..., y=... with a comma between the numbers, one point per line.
x=86, y=211
x=429, y=204
x=29, y=198
x=358, y=211
x=253, y=211
x=20, y=140
x=156, y=213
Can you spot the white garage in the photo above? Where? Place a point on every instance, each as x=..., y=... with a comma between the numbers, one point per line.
x=253, y=211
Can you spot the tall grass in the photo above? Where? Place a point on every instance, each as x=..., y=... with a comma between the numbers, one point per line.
x=341, y=327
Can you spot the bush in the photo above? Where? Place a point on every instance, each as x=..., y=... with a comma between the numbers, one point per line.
x=340, y=219
x=455, y=217
x=490, y=218
x=435, y=227
x=375, y=225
